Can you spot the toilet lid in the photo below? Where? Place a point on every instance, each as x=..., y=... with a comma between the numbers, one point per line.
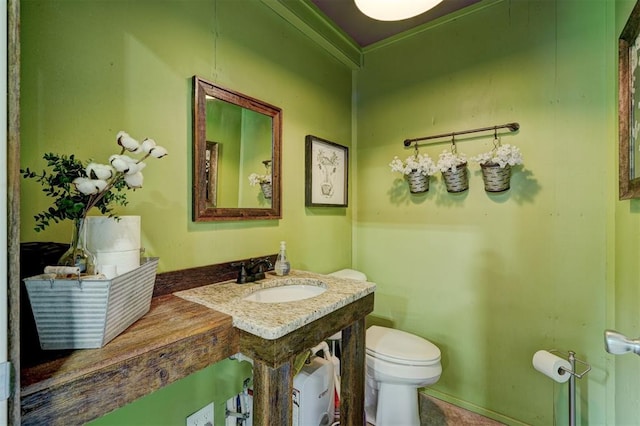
x=400, y=347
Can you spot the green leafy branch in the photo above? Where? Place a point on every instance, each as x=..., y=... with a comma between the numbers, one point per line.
x=68, y=202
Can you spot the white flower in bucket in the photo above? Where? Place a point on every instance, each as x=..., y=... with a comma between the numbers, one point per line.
x=263, y=180
x=423, y=164
x=417, y=168
x=454, y=170
x=256, y=179
x=450, y=161
x=496, y=166
x=502, y=155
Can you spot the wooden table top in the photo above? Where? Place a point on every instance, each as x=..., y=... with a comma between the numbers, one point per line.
x=174, y=339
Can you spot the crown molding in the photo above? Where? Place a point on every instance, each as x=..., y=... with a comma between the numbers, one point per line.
x=306, y=17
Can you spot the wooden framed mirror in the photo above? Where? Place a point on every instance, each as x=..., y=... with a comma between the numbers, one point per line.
x=629, y=106
x=236, y=155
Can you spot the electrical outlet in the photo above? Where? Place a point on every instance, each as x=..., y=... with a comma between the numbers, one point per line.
x=202, y=417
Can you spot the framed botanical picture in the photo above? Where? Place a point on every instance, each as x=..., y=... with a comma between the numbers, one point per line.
x=629, y=106
x=327, y=173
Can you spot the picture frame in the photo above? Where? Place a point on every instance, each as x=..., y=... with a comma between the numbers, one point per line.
x=326, y=173
x=629, y=107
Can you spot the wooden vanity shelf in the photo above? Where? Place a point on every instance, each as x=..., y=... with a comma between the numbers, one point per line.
x=174, y=339
x=177, y=338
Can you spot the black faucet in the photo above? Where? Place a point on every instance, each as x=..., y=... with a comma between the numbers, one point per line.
x=254, y=271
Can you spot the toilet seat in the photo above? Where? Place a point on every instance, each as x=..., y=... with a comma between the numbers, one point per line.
x=400, y=347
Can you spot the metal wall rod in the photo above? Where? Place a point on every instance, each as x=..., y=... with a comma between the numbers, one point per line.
x=511, y=126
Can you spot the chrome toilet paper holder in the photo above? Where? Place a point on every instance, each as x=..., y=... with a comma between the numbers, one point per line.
x=571, y=357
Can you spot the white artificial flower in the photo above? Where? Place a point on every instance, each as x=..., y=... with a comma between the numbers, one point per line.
x=450, y=161
x=99, y=171
x=397, y=165
x=414, y=163
x=502, y=156
x=134, y=181
x=127, y=142
x=135, y=168
x=158, y=151
x=89, y=186
x=99, y=184
x=255, y=179
x=121, y=163
x=148, y=145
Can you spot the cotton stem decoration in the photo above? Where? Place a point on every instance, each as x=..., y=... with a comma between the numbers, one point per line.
x=77, y=188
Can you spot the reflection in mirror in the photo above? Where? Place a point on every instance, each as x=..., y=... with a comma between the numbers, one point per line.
x=237, y=177
x=211, y=172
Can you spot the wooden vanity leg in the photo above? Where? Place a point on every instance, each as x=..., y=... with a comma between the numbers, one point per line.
x=272, y=394
x=353, y=375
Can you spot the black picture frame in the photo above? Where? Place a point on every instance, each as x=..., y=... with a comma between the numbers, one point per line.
x=326, y=173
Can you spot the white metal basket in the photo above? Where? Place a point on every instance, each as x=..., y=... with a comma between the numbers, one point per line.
x=457, y=181
x=88, y=313
x=418, y=182
x=496, y=178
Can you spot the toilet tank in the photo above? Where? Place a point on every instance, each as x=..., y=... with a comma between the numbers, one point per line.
x=350, y=274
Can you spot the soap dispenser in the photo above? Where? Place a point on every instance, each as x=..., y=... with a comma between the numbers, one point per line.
x=282, y=266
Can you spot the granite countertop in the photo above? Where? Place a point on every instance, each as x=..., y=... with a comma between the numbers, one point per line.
x=273, y=320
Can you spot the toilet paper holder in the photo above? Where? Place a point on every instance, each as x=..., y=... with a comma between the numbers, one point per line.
x=571, y=357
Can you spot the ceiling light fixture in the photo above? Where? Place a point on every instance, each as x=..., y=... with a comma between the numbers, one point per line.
x=394, y=10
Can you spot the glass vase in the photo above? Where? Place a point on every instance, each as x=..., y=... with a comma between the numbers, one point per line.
x=78, y=255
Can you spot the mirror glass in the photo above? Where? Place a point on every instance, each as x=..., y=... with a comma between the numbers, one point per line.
x=236, y=154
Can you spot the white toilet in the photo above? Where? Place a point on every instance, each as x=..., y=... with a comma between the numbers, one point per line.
x=398, y=363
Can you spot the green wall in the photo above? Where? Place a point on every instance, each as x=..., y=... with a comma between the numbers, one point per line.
x=90, y=69
x=491, y=279
x=93, y=68
x=627, y=286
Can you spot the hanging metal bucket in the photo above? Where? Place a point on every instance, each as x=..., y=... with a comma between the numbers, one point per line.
x=266, y=190
x=417, y=182
x=496, y=178
x=457, y=181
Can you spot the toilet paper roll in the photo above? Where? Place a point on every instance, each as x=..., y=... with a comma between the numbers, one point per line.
x=550, y=365
x=125, y=261
x=108, y=234
x=109, y=271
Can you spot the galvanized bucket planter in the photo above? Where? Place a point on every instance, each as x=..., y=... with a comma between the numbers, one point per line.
x=496, y=178
x=417, y=182
x=266, y=190
x=88, y=313
x=457, y=181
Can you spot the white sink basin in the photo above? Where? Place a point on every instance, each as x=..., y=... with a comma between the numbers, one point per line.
x=285, y=293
